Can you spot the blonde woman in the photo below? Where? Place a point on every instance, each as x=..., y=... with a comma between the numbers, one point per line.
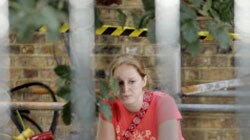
x=139, y=114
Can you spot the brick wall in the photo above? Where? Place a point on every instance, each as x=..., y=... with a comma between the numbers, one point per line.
x=34, y=61
x=208, y=67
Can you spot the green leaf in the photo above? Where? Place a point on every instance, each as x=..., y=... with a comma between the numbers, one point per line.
x=64, y=92
x=193, y=48
x=52, y=21
x=27, y=3
x=28, y=15
x=61, y=82
x=225, y=10
x=221, y=35
x=146, y=18
x=206, y=7
x=66, y=113
x=98, y=20
x=63, y=71
x=189, y=30
x=114, y=85
x=137, y=20
x=214, y=14
x=197, y=3
x=122, y=17
x=149, y=5
x=187, y=13
x=104, y=89
x=151, y=31
x=105, y=110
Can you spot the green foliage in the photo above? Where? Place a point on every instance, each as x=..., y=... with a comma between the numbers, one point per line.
x=64, y=90
x=122, y=17
x=67, y=113
x=151, y=31
x=63, y=71
x=108, y=91
x=105, y=109
x=98, y=19
x=26, y=16
x=149, y=5
x=220, y=34
x=114, y=86
x=220, y=13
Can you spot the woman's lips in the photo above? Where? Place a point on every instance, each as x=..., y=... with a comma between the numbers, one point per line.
x=125, y=96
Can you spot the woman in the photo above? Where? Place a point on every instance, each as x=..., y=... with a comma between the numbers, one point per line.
x=139, y=114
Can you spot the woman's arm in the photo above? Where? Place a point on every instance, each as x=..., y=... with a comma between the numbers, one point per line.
x=105, y=130
x=168, y=130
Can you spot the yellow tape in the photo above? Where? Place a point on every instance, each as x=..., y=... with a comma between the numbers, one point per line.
x=131, y=31
x=121, y=31
x=204, y=35
x=64, y=28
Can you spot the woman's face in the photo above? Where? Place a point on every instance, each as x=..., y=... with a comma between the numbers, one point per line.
x=131, y=83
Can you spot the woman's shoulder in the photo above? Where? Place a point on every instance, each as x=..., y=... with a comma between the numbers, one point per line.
x=163, y=99
x=166, y=106
x=161, y=95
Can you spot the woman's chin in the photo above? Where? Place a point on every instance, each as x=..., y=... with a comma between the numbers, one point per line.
x=127, y=101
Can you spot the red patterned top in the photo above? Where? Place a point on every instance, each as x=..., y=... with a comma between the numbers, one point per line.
x=161, y=108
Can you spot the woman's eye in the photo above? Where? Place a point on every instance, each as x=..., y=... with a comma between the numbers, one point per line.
x=120, y=83
x=132, y=81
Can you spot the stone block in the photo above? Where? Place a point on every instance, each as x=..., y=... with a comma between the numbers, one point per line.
x=133, y=49
x=14, y=48
x=221, y=60
x=231, y=134
x=215, y=74
x=103, y=62
x=191, y=74
x=149, y=50
x=108, y=14
x=30, y=61
x=27, y=49
x=47, y=73
x=207, y=100
x=30, y=73
x=108, y=49
x=16, y=73
x=39, y=38
x=214, y=135
x=193, y=134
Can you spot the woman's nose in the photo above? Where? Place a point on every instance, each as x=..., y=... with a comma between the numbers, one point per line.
x=125, y=87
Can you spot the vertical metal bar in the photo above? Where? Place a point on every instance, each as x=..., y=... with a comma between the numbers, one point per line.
x=4, y=66
x=168, y=46
x=81, y=45
x=242, y=50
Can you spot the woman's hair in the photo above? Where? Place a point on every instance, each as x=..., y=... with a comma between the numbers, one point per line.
x=128, y=60
x=131, y=61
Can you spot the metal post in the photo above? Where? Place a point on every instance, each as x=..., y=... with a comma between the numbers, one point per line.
x=214, y=108
x=4, y=66
x=242, y=50
x=82, y=38
x=168, y=46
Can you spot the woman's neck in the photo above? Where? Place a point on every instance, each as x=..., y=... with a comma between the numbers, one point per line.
x=135, y=107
